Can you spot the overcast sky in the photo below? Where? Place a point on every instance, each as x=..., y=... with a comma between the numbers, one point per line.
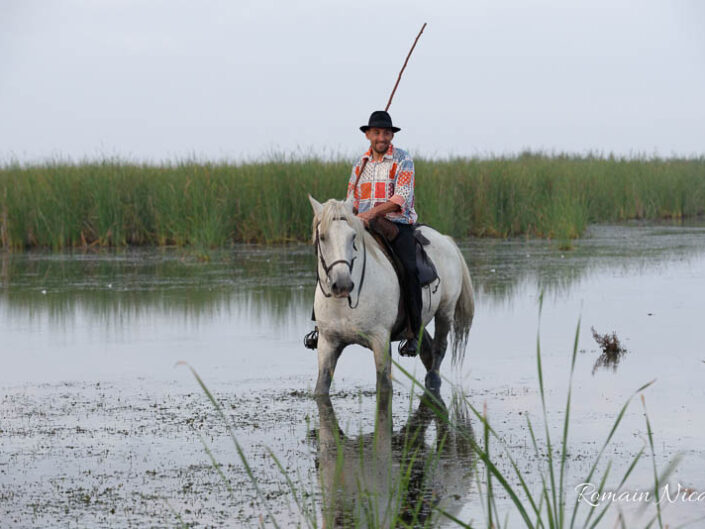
x=167, y=80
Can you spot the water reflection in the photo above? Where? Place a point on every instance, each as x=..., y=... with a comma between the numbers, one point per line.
x=263, y=283
x=503, y=268
x=387, y=478
x=275, y=285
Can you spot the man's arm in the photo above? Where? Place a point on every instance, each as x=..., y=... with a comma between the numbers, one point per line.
x=404, y=185
x=403, y=193
x=378, y=211
x=352, y=180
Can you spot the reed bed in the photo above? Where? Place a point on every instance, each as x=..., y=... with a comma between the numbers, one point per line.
x=116, y=204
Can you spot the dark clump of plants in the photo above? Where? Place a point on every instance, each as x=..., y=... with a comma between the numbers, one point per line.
x=612, y=350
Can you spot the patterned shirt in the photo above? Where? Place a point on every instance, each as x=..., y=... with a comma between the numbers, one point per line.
x=390, y=179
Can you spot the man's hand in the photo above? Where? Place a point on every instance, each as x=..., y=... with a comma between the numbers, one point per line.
x=380, y=209
x=367, y=216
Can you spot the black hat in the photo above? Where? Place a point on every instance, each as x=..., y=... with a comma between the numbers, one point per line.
x=380, y=119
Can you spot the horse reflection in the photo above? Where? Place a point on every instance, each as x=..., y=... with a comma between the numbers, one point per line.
x=386, y=479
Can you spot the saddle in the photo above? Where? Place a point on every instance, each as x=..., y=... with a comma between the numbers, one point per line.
x=384, y=231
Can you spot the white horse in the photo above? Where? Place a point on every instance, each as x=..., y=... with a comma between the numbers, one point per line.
x=358, y=296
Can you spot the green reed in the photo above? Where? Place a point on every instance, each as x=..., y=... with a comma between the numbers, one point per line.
x=114, y=203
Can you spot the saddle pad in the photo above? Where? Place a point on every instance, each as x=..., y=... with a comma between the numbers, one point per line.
x=420, y=237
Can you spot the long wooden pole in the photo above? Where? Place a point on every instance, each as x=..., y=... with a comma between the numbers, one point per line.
x=402, y=68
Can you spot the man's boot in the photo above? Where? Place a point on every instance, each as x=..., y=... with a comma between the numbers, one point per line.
x=411, y=346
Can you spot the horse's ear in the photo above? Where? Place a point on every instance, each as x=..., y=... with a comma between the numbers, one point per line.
x=349, y=202
x=316, y=205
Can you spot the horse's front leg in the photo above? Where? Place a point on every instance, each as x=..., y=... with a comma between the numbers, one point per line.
x=383, y=363
x=328, y=354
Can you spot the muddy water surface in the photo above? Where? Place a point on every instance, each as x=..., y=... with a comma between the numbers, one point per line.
x=98, y=428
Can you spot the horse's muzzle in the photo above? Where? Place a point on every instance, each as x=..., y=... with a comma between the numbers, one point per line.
x=342, y=288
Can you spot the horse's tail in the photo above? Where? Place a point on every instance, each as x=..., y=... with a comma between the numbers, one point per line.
x=464, y=311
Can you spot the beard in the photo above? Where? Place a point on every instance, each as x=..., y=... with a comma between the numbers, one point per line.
x=380, y=147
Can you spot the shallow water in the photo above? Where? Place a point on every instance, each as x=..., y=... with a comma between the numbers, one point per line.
x=98, y=426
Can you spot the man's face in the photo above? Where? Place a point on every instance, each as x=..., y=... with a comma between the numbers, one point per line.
x=380, y=139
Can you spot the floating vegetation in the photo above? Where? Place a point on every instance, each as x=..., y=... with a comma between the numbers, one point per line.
x=612, y=351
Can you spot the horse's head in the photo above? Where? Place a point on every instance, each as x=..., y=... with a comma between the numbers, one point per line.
x=336, y=233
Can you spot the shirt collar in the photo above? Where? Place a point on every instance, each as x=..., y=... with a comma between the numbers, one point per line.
x=388, y=155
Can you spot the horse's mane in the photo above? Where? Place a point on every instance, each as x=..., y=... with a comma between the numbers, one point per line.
x=336, y=210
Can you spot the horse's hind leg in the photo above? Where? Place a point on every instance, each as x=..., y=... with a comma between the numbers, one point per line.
x=328, y=354
x=426, y=353
x=432, y=362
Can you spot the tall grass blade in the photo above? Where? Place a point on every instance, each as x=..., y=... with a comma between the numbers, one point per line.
x=182, y=524
x=657, y=485
x=554, y=503
x=311, y=520
x=566, y=424
x=214, y=462
x=626, y=475
x=486, y=436
x=238, y=448
x=612, y=431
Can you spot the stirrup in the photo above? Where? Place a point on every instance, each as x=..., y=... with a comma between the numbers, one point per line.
x=311, y=339
x=406, y=349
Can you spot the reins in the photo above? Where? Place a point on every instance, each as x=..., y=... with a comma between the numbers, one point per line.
x=350, y=264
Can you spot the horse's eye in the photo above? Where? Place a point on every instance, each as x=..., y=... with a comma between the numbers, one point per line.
x=322, y=237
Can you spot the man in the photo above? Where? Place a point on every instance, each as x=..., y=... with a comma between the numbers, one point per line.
x=382, y=185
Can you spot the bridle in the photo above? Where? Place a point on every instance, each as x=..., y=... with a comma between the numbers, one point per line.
x=327, y=267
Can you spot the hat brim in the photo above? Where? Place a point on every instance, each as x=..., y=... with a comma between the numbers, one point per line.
x=365, y=128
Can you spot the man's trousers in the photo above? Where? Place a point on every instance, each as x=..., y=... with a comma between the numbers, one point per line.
x=404, y=245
